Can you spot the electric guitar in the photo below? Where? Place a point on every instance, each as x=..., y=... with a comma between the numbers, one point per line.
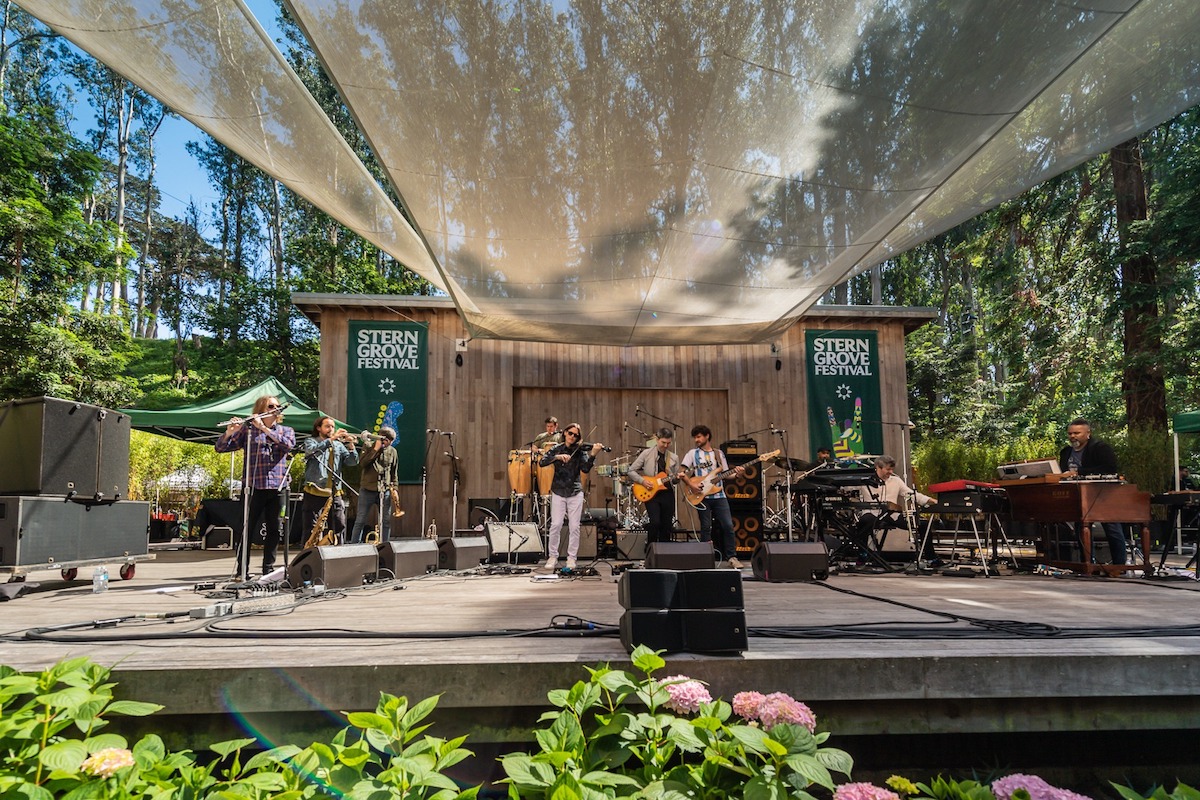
x=662, y=480
x=711, y=483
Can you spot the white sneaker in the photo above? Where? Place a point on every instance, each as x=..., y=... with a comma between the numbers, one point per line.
x=571, y=564
x=733, y=562
x=551, y=564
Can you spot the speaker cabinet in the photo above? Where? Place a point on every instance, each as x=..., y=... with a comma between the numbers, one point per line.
x=747, y=527
x=218, y=537
x=335, y=566
x=790, y=561
x=517, y=542
x=631, y=545
x=407, y=558
x=648, y=588
x=67, y=449
x=481, y=510
x=710, y=588
x=462, y=553
x=587, y=542
x=709, y=631
x=680, y=555
x=45, y=530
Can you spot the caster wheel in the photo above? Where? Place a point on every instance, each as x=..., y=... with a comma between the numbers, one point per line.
x=127, y=572
x=70, y=574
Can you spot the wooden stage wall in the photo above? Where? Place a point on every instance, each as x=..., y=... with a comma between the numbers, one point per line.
x=497, y=400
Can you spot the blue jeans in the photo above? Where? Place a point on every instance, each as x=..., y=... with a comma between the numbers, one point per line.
x=368, y=499
x=718, y=508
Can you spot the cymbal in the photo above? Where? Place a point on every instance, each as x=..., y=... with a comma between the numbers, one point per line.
x=796, y=463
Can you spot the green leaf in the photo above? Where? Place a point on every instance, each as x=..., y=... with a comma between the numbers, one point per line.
x=646, y=660
x=835, y=760
x=149, y=750
x=808, y=768
x=753, y=739
x=105, y=741
x=758, y=788
x=66, y=756
x=69, y=698
x=133, y=708
x=231, y=746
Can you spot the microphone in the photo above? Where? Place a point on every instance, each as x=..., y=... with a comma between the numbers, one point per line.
x=779, y=431
x=626, y=426
x=449, y=455
x=434, y=431
x=285, y=405
x=447, y=433
x=637, y=410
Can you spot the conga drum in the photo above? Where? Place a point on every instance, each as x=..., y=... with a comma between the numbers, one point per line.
x=545, y=478
x=520, y=473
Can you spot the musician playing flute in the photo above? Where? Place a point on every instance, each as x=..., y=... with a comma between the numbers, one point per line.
x=566, y=491
x=267, y=442
x=653, y=468
x=325, y=454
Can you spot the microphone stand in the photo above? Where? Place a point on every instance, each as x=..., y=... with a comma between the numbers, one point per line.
x=789, y=471
x=285, y=491
x=425, y=476
x=641, y=410
x=455, y=476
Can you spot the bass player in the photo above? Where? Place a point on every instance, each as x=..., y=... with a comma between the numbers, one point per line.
x=653, y=470
x=700, y=461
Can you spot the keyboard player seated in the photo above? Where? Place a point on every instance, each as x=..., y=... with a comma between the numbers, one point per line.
x=891, y=494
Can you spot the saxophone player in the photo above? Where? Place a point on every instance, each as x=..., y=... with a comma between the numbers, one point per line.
x=325, y=454
x=267, y=442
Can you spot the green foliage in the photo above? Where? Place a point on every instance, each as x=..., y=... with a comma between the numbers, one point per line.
x=1182, y=792
x=938, y=460
x=613, y=736
x=52, y=745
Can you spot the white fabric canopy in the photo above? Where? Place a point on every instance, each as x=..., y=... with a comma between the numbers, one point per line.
x=660, y=172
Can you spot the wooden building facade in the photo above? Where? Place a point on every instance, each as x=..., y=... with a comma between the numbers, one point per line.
x=497, y=395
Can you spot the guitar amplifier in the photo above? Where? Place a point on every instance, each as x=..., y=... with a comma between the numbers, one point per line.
x=740, y=447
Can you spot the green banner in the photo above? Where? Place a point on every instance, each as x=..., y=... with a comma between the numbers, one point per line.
x=385, y=385
x=842, y=368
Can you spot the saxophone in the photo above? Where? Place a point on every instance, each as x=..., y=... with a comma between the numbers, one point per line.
x=319, y=536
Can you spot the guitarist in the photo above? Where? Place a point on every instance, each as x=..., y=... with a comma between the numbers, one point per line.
x=700, y=461
x=653, y=469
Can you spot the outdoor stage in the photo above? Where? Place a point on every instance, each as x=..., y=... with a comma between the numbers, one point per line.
x=1025, y=671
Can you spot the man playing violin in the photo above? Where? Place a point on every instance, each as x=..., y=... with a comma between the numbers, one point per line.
x=566, y=491
x=653, y=468
x=267, y=443
x=325, y=454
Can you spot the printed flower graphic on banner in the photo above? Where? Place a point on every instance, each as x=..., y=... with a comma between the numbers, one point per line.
x=843, y=392
x=387, y=386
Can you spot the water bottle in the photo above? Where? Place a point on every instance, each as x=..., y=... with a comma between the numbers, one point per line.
x=100, y=579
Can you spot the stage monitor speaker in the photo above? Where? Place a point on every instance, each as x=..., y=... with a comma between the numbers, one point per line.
x=680, y=555
x=517, y=542
x=790, y=561
x=631, y=545
x=462, y=553
x=587, y=542
x=710, y=631
x=407, y=558
x=218, y=537
x=648, y=588
x=340, y=566
x=710, y=588
x=68, y=449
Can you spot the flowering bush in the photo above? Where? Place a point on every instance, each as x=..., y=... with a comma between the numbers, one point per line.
x=624, y=735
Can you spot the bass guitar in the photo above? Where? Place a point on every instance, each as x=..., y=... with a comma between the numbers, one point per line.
x=662, y=480
x=711, y=483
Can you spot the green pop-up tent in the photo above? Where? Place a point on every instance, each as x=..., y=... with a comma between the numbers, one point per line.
x=202, y=422
x=1183, y=422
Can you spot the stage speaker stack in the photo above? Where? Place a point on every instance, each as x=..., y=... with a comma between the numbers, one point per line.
x=341, y=566
x=694, y=611
x=790, y=561
x=680, y=555
x=462, y=552
x=66, y=449
x=745, y=493
x=481, y=510
x=516, y=542
x=407, y=558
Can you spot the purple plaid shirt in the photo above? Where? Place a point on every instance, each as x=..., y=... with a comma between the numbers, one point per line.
x=267, y=452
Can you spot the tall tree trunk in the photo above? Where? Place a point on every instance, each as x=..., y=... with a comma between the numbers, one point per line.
x=1142, y=381
x=142, y=321
x=125, y=101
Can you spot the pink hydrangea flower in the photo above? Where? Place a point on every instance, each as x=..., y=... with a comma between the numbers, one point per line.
x=863, y=791
x=105, y=763
x=778, y=707
x=745, y=704
x=1037, y=787
x=687, y=695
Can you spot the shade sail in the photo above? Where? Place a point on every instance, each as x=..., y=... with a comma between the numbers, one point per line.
x=201, y=422
x=659, y=171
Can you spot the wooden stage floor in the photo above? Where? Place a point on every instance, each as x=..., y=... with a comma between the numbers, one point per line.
x=872, y=654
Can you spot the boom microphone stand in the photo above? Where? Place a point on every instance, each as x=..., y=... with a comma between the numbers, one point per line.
x=456, y=476
x=429, y=434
